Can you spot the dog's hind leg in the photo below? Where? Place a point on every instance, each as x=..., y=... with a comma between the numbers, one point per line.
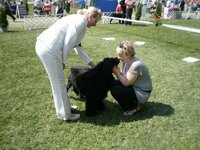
x=69, y=84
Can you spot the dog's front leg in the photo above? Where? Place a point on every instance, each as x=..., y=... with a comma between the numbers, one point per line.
x=100, y=105
x=90, y=106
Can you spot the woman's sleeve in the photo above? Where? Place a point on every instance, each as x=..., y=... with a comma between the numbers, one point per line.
x=70, y=41
x=82, y=54
x=136, y=68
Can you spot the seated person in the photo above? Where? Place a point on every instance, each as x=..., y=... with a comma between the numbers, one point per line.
x=134, y=84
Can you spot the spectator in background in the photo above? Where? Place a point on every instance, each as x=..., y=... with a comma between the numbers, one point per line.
x=24, y=2
x=47, y=7
x=130, y=4
x=38, y=5
x=123, y=5
x=119, y=8
x=59, y=8
x=182, y=5
x=9, y=10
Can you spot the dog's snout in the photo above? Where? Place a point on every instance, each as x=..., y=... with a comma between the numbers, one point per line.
x=117, y=61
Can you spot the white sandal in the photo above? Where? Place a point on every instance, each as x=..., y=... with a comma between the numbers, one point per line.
x=133, y=111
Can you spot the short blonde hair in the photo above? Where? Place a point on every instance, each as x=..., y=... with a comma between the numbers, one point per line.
x=125, y=49
x=91, y=10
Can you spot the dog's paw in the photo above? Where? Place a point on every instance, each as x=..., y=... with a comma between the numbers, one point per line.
x=91, y=113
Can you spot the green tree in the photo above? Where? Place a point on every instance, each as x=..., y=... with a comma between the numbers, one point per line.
x=158, y=9
x=138, y=11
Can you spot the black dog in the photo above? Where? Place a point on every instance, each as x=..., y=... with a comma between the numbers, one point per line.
x=94, y=84
x=117, y=15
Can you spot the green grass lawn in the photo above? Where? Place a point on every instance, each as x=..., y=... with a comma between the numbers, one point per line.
x=169, y=120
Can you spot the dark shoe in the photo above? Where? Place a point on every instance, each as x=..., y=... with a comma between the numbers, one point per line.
x=74, y=117
x=73, y=108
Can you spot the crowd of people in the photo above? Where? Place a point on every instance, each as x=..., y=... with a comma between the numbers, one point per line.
x=126, y=8
x=40, y=7
x=45, y=6
x=11, y=7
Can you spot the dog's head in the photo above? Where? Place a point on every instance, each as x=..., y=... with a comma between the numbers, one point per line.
x=106, y=66
x=111, y=61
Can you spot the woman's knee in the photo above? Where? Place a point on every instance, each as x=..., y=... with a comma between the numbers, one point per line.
x=115, y=91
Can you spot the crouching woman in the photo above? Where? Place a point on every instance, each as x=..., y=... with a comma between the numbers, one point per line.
x=134, y=84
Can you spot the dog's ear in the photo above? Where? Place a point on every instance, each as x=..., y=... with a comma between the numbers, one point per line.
x=116, y=61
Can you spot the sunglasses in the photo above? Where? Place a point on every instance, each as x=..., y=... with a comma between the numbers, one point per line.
x=121, y=45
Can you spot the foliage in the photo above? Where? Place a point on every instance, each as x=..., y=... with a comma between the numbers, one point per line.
x=66, y=6
x=138, y=11
x=157, y=20
x=158, y=9
x=3, y=17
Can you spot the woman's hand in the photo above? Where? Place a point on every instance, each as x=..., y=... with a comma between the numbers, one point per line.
x=127, y=80
x=116, y=70
x=91, y=64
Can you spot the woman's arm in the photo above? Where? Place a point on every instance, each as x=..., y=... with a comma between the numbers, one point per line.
x=126, y=81
x=83, y=55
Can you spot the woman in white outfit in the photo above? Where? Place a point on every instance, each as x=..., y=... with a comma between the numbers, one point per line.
x=54, y=46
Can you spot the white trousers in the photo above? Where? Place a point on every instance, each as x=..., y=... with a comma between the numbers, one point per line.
x=54, y=69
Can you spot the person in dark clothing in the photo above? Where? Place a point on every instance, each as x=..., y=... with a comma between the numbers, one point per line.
x=9, y=10
x=182, y=5
x=123, y=5
x=129, y=10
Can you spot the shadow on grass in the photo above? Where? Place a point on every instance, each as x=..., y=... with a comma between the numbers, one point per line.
x=12, y=31
x=133, y=24
x=113, y=115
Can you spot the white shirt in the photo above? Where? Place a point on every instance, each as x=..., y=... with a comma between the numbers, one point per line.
x=64, y=35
